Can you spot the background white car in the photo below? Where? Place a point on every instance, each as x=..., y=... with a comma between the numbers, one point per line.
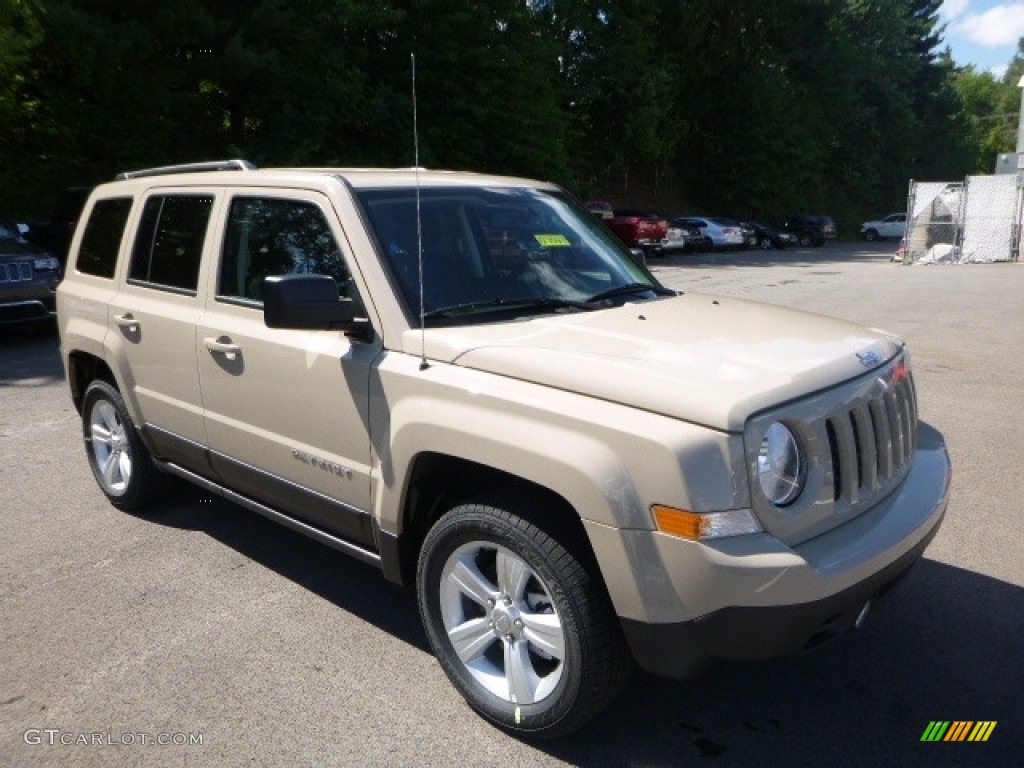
x=892, y=225
x=718, y=233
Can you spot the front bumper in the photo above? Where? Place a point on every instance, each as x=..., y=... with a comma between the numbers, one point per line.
x=738, y=633
x=28, y=310
x=750, y=597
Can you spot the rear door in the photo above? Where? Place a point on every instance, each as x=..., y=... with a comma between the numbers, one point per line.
x=286, y=411
x=152, y=321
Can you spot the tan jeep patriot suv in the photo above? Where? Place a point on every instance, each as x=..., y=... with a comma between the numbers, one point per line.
x=466, y=381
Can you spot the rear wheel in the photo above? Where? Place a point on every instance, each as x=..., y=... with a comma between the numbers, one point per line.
x=119, y=461
x=871, y=235
x=765, y=243
x=805, y=239
x=520, y=627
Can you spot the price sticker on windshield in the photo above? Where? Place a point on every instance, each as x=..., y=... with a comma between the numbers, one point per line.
x=553, y=241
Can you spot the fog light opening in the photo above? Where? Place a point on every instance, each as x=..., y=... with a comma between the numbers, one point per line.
x=863, y=615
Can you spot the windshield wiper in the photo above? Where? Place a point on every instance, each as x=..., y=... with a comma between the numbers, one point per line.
x=622, y=290
x=507, y=304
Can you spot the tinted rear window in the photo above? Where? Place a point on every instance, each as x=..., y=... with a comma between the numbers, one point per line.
x=169, y=243
x=101, y=241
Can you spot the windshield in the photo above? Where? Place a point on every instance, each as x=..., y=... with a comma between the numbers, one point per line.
x=9, y=231
x=489, y=251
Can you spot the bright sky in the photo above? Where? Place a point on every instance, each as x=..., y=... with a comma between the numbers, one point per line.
x=983, y=32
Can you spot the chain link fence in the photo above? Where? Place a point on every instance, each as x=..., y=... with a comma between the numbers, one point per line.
x=974, y=221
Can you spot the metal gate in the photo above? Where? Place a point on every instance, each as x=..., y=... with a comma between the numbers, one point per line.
x=976, y=221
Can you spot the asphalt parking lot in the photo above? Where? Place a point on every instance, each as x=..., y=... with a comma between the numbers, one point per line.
x=239, y=643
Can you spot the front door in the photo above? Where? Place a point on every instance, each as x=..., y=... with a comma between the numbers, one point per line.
x=286, y=411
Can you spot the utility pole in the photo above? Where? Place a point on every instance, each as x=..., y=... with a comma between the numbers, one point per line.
x=1020, y=123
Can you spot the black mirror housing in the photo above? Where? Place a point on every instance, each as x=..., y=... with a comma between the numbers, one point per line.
x=307, y=302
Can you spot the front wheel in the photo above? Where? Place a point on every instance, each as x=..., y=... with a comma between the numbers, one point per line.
x=518, y=624
x=120, y=462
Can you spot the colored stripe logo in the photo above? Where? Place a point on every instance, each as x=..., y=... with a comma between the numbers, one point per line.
x=959, y=730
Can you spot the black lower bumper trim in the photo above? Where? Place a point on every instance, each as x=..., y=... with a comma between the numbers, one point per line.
x=680, y=649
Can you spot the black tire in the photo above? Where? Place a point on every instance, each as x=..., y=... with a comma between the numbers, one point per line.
x=765, y=243
x=805, y=239
x=871, y=235
x=517, y=599
x=121, y=464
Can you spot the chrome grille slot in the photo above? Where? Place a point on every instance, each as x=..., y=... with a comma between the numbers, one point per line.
x=867, y=464
x=883, y=438
x=872, y=441
x=15, y=272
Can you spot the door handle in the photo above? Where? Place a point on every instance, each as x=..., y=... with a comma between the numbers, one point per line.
x=222, y=345
x=127, y=321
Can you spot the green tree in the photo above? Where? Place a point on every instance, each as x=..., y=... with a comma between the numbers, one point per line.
x=748, y=107
x=989, y=115
x=486, y=87
x=619, y=92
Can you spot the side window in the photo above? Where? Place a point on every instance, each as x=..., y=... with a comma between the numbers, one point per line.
x=269, y=236
x=169, y=243
x=97, y=255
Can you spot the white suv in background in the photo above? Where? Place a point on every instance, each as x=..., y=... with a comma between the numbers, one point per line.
x=892, y=226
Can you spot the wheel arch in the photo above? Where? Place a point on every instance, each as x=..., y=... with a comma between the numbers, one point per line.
x=438, y=482
x=84, y=368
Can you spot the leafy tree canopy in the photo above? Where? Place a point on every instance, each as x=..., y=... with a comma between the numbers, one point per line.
x=747, y=108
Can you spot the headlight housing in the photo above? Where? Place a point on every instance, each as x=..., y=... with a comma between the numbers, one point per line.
x=781, y=465
x=46, y=264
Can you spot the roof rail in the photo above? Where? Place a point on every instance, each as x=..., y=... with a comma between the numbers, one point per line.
x=216, y=165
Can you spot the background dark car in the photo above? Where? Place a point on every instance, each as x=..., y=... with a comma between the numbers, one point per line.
x=600, y=208
x=28, y=278
x=769, y=237
x=810, y=228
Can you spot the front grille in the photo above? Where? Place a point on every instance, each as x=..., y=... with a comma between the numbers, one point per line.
x=871, y=442
x=15, y=272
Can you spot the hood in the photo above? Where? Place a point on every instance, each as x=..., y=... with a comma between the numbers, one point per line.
x=20, y=249
x=704, y=359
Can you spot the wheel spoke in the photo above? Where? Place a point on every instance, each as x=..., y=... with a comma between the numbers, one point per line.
x=125, y=466
x=110, y=467
x=471, y=639
x=108, y=416
x=471, y=583
x=100, y=434
x=519, y=672
x=544, y=631
x=513, y=575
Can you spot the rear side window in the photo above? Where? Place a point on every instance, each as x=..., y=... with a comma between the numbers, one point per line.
x=169, y=243
x=101, y=241
x=269, y=236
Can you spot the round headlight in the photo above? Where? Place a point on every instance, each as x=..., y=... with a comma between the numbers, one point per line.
x=781, y=467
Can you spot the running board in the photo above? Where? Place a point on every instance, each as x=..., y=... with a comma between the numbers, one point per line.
x=364, y=555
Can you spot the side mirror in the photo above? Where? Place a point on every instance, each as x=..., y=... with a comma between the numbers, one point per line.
x=308, y=302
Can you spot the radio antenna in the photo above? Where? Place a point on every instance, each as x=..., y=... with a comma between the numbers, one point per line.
x=419, y=219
